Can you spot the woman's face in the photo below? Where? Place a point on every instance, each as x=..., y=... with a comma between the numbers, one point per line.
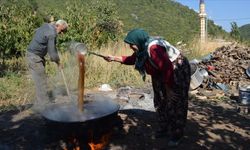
x=133, y=47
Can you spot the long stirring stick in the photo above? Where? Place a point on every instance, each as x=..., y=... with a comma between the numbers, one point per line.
x=65, y=83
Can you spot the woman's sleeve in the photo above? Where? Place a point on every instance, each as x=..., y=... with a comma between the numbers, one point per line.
x=129, y=60
x=161, y=60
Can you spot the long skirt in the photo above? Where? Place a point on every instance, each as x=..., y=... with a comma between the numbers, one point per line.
x=171, y=103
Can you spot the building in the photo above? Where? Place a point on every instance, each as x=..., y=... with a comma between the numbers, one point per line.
x=202, y=14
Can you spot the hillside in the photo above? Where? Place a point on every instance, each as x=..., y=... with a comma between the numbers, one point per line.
x=165, y=18
x=159, y=17
x=245, y=31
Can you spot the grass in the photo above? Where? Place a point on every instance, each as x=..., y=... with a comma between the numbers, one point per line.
x=98, y=71
x=17, y=89
x=197, y=50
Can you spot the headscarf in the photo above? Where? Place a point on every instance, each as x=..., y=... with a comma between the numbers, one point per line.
x=139, y=37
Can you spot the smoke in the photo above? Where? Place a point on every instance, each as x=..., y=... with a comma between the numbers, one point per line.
x=65, y=108
x=71, y=71
x=54, y=83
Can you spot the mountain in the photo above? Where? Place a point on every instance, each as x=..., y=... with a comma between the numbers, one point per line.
x=245, y=31
x=165, y=18
x=159, y=17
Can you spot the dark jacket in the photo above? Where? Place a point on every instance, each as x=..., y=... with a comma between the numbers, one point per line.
x=44, y=41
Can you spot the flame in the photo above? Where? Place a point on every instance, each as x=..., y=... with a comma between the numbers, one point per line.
x=93, y=144
x=103, y=142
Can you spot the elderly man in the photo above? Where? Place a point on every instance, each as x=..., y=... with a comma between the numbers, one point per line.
x=43, y=42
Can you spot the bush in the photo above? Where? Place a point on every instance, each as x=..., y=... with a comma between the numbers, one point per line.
x=17, y=23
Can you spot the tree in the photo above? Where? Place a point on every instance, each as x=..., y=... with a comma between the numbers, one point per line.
x=17, y=23
x=235, y=32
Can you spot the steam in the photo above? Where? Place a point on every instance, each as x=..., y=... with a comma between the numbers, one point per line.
x=55, y=86
x=71, y=72
x=65, y=108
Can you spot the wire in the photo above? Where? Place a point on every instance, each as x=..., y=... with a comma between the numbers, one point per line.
x=231, y=19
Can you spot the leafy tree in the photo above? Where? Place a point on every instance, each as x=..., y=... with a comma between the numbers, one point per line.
x=94, y=23
x=17, y=23
x=235, y=32
x=91, y=22
x=107, y=24
x=245, y=31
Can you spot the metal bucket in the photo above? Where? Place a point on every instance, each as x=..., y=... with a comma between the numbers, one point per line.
x=204, y=72
x=248, y=71
x=75, y=47
x=244, y=94
x=196, y=77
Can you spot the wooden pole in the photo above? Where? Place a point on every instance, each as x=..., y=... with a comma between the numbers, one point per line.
x=65, y=83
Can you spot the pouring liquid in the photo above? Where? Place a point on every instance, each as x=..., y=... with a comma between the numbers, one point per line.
x=81, y=64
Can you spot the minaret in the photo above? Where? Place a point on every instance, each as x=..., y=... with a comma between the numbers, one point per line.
x=202, y=22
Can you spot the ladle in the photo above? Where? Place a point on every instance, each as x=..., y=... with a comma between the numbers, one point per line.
x=81, y=47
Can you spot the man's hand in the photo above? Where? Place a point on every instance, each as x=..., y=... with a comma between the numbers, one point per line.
x=59, y=65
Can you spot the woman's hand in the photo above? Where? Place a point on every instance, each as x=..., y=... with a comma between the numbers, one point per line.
x=109, y=58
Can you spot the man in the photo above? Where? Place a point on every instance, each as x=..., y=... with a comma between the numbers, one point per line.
x=43, y=42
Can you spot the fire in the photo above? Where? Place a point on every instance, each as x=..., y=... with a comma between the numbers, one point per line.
x=90, y=143
x=102, y=143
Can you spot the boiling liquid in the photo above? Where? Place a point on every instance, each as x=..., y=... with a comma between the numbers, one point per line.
x=81, y=63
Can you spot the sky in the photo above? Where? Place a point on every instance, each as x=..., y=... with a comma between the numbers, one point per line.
x=223, y=12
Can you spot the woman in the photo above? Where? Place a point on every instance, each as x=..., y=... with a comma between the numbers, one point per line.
x=170, y=73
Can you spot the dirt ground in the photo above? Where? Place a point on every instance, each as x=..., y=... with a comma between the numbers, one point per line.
x=212, y=124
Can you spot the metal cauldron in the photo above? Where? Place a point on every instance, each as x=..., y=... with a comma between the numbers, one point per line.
x=96, y=108
x=244, y=94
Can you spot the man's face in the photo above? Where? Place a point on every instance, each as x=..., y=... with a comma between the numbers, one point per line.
x=61, y=29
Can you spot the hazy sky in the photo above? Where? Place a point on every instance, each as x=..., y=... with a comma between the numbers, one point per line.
x=223, y=12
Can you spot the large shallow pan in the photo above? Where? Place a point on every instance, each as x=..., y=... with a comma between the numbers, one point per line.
x=95, y=108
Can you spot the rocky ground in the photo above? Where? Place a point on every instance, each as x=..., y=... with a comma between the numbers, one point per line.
x=212, y=124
